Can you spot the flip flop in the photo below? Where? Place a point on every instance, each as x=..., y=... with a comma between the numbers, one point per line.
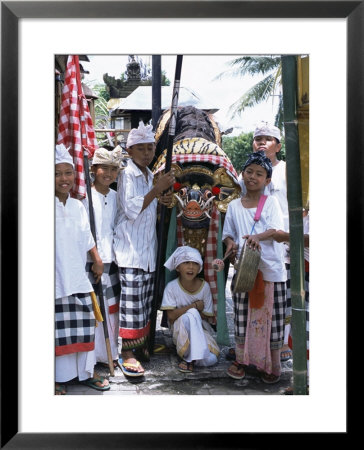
x=61, y=388
x=130, y=373
x=91, y=382
x=237, y=374
x=269, y=378
x=189, y=366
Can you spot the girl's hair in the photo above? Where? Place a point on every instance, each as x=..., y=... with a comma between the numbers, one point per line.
x=260, y=159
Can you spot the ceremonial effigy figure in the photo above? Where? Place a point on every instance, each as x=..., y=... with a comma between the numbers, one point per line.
x=206, y=182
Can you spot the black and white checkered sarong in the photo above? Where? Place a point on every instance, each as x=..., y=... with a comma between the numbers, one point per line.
x=74, y=324
x=279, y=306
x=110, y=285
x=135, y=302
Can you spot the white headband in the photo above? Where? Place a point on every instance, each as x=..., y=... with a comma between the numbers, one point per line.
x=264, y=129
x=63, y=156
x=181, y=255
x=141, y=135
x=110, y=158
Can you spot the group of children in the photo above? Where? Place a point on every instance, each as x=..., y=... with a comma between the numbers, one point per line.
x=122, y=263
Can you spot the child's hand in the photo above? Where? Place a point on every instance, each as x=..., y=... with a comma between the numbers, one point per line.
x=232, y=247
x=165, y=181
x=166, y=199
x=199, y=305
x=252, y=241
x=97, y=269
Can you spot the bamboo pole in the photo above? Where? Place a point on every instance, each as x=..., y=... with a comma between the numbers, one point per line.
x=294, y=196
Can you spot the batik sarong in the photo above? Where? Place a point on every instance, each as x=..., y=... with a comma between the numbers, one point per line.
x=278, y=315
x=74, y=324
x=136, y=298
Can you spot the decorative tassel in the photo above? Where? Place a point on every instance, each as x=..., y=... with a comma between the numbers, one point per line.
x=96, y=308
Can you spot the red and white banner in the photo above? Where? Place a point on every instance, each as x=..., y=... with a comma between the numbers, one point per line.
x=75, y=128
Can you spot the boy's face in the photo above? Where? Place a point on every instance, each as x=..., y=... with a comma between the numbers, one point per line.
x=255, y=177
x=105, y=174
x=268, y=144
x=64, y=179
x=188, y=270
x=142, y=154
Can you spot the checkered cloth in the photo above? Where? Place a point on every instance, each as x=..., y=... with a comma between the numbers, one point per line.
x=241, y=314
x=75, y=324
x=75, y=128
x=196, y=158
x=136, y=298
x=110, y=285
x=210, y=254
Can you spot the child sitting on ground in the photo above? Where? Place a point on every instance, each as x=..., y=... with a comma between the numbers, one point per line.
x=188, y=302
x=259, y=319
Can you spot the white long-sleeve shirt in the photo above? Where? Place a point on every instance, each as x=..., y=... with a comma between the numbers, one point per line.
x=105, y=214
x=135, y=237
x=73, y=241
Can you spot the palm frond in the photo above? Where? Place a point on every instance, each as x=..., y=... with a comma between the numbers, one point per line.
x=258, y=93
x=251, y=65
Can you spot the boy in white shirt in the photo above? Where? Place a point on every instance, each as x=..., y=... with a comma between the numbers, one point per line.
x=259, y=319
x=135, y=245
x=74, y=316
x=105, y=168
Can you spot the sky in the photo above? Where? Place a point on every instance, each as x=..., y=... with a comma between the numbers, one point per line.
x=198, y=74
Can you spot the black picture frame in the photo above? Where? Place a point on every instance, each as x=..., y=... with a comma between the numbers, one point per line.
x=11, y=12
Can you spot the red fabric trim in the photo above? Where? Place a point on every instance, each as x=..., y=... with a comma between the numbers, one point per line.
x=128, y=333
x=75, y=348
x=114, y=308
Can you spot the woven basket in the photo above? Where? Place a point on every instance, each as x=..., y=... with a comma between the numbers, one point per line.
x=246, y=270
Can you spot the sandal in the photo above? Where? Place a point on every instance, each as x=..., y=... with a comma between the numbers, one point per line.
x=236, y=371
x=60, y=389
x=270, y=378
x=186, y=367
x=91, y=382
x=131, y=369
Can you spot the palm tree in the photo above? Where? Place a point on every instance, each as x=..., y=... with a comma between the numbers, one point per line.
x=270, y=85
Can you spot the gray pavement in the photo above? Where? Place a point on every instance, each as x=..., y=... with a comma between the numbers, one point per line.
x=163, y=377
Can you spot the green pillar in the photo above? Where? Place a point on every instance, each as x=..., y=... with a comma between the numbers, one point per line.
x=294, y=196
